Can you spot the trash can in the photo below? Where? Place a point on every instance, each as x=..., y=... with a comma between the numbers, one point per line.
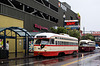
x=3, y=54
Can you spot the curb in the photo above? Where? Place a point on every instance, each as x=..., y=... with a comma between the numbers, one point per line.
x=17, y=58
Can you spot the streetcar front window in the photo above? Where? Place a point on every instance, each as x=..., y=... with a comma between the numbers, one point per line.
x=83, y=44
x=42, y=41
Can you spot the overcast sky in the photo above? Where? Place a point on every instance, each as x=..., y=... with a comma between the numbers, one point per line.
x=89, y=11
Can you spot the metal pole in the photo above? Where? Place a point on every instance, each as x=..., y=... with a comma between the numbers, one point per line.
x=16, y=45
x=25, y=44
x=63, y=22
x=64, y=19
x=4, y=41
x=84, y=32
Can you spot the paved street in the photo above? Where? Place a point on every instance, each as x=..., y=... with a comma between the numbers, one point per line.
x=82, y=59
x=49, y=33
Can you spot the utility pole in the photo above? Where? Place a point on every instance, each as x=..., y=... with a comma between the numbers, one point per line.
x=84, y=32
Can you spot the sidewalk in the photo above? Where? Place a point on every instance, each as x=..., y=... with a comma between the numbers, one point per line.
x=19, y=56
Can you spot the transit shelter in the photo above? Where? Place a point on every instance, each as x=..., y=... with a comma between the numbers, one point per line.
x=15, y=34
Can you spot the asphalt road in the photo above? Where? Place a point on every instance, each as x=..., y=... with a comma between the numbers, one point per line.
x=82, y=59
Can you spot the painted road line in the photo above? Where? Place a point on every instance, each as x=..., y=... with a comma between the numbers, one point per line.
x=79, y=60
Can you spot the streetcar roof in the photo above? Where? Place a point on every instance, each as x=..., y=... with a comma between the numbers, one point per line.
x=86, y=41
x=49, y=35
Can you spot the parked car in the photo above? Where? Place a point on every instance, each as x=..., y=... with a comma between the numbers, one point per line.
x=97, y=47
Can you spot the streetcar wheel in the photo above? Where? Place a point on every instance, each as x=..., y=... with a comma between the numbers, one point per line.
x=61, y=54
x=74, y=53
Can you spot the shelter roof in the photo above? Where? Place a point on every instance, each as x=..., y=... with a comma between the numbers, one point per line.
x=20, y=31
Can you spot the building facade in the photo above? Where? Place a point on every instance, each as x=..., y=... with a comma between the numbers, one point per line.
x=34, y=15
x=37, y=15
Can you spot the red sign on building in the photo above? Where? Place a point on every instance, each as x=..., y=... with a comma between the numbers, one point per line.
x=70, y=23
x=40, y=27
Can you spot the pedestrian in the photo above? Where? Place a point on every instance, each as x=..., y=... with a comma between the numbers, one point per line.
x=7, y=48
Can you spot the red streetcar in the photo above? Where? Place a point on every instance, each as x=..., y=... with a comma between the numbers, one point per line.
x=50, y=44
x=86, y=45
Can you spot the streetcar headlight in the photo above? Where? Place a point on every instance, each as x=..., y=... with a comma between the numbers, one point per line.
x=82, y=48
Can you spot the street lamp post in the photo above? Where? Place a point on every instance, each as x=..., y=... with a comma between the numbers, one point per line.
x=64, y=19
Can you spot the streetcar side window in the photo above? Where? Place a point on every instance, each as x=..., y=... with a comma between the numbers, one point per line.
x=60, y=43
x=51, y=41
x=56, y=42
